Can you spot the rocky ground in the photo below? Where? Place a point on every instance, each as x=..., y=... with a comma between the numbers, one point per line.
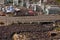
x=34, y=31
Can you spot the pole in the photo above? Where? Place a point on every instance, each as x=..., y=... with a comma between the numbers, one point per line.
x=27, y=3
x=22, y=3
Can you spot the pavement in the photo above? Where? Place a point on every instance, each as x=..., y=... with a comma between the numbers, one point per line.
x=22, y=19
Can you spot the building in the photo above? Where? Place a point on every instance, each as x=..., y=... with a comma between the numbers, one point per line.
x=21, y=2
x=2, y=2
x=25, y=3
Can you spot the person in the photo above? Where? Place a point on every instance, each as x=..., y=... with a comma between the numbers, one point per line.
x=7, y=9
x=0, y=7
x=11, y=8
x=3, y=9
x=15, y=36
x=17, y=10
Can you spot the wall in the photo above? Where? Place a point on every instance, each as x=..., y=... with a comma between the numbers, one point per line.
x=1, y=1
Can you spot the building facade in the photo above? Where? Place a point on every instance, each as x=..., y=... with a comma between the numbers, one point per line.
x=25, y=3
x=1, y=1
x=20, y=1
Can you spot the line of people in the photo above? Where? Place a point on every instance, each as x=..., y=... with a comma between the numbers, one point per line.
x=8, y=9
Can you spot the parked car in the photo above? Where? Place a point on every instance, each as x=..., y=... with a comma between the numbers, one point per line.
x=53, y=9
x=20, y=12
x=25, y=12
x=32, y=13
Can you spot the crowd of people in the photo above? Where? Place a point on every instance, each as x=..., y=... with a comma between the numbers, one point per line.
x=8, y=9
x=17, y=11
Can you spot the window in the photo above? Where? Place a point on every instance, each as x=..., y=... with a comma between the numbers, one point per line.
x=19, y=1
x=8, y=1
x=30, y=0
